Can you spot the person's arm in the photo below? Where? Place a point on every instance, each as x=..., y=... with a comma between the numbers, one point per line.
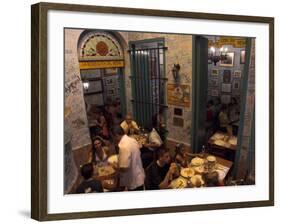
x=124, y=160
x=90, y=157
x=135, y=126
x=166, y=182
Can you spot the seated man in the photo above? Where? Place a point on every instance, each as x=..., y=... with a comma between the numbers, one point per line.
x=129, y=126
x=89, y=185
x=160, y=173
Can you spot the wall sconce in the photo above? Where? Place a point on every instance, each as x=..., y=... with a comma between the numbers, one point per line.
x=86, y=86
x=175, y=71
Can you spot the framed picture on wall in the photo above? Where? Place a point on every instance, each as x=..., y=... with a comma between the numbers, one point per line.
x=229, y=61
x=226, y=87
x=226, y=76
x=214, y=92
x=242, y=57
x=214, y=72
x=237, y=74
x=214, y=82
x=236, y=85
x=225, y=99
x=54, y=59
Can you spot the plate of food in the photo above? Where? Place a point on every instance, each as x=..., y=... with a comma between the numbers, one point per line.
x=105, y=171
x=178, y=183
x=197, y=181
x=199, y=169
x=113, y=159
x=187, y=172
x=197, y=161
x=220, y=142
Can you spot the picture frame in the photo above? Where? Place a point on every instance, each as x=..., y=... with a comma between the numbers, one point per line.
x=214, y=82
x=226, y=87
x=41, y=123
x=214, y=92
x=215, y=72
x=236, y=85
x=225, y=99
x=226, y=76
x=237, y=74
x=229, y=61
x=242, y=57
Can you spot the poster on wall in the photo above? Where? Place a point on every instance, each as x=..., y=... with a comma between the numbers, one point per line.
x=214, y=92
x=226, y=76
x=237, y=74
x=225, y=99
x=178, y=95
x=226, y=87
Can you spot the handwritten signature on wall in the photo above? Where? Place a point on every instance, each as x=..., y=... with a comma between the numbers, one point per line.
x=72, y=86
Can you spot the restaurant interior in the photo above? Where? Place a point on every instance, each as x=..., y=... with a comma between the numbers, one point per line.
x=148, y=111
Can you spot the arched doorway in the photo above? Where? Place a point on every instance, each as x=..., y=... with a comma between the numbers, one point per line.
x=101, y=61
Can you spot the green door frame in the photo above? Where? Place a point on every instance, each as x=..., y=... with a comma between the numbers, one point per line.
x=244, y=88
x=196, y=133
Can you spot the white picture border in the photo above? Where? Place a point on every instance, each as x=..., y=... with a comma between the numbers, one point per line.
x=60, y=203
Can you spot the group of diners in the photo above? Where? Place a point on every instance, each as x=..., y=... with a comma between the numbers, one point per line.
x=147, y=166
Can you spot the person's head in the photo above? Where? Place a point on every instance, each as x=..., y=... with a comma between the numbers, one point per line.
x=97, y=143
x=163, y=155
x=210, y=103
x=128, y=118
x=87, y=171
x=212, y=179
x=117, y=133
x=179, y=148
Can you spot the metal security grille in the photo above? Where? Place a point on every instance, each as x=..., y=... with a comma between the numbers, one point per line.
x=148, y=81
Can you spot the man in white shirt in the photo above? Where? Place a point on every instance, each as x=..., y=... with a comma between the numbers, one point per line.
x=129, y=165
x=129, y=125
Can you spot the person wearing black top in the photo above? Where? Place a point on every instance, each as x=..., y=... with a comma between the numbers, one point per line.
x=159, y=173
x=89, y=185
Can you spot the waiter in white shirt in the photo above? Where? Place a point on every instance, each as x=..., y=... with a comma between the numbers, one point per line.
x=129, y=164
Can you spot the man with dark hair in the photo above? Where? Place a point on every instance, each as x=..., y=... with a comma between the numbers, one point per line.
x=129, y=163
x=160, y=173
x=89, y=185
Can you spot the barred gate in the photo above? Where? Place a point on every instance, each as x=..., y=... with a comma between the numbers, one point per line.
x=148, y=81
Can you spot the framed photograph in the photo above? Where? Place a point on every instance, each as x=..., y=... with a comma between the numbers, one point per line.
x=68, y=180
x=226, y=76
x=92, y=86
x=236, y=85
x=214, y=72
x=226, y=87
x=237, y=74
x=229, y=61
x=214, y=92
x=214, y=82
x=242, y=57
x=225, y=99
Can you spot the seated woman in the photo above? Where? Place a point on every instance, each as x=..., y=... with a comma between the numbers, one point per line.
x=99, y=157
x=129, y=125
